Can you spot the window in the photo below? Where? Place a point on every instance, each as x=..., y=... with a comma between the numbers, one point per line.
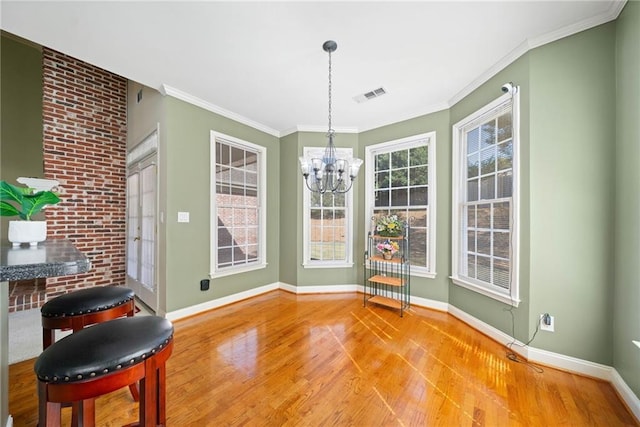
x=327, y=223
x=485, y=200
x=237, y=205
x=401, y=180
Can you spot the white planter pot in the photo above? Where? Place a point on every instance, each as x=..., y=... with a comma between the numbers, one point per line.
x=31, y=232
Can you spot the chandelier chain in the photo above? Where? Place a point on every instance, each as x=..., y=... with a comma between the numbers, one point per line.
x=330, y=128
x=328, y=172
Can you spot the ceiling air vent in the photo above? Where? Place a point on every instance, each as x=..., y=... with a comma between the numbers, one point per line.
x=370, y=95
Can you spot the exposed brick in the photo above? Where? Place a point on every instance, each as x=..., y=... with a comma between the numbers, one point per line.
x=84, y=118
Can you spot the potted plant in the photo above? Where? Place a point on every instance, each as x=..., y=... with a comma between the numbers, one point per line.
x=24, y=202
x=387, y=249
x=389, y=226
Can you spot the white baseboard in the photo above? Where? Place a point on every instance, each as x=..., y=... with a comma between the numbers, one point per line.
x=230, y=299
x=320, y=289
x=571, y=364
x=429, y=303
x=556, y=360
x=629, y=397
x=219, y=302
x=535, y=355
x=494, y=333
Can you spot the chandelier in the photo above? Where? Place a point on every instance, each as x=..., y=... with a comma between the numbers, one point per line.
x=329, y=173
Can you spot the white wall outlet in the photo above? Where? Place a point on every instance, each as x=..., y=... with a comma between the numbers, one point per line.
x=547, y=322
x=183, y=216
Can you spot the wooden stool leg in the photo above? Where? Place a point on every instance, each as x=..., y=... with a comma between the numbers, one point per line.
x=49, y=413
x=133, y=387
x=134, y=392
x=83, y=414
x=48, y=336
x=162, y=394
x=150, y=401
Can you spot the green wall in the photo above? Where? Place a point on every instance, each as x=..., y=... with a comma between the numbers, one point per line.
x=566, y=195
x=516, y=322
x=571, y=200
x=579, y=189
x=292, y=271
x=438, y=288
x=187, y=157
x=20, y=112
x=290, y=210
x=626, y=304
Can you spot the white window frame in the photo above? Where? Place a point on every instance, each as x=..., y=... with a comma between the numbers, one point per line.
x=307, y=262
x=512, y=295
x=403, y=144
x=261, y=152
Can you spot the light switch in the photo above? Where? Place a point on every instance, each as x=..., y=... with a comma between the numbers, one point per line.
x=183, y=216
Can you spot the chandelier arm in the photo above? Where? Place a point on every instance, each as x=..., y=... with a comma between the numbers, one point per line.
x=346, y=190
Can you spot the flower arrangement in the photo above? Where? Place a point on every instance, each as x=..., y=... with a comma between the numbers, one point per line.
x=388, y=247
x=389, y=226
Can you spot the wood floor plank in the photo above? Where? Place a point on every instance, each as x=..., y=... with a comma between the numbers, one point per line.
x=281, y=359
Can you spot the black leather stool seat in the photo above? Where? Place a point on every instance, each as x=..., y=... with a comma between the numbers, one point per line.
x=103, y=349
x=88, y=300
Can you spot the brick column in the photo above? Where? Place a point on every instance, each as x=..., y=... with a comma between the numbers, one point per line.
x=85, y=128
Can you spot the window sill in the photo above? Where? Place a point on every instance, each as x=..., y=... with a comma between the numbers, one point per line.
x=486, y=292
x=238, y=270
x=327, y=265
x=420, y=272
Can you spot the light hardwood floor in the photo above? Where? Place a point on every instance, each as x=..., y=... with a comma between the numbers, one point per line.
x=324, y=360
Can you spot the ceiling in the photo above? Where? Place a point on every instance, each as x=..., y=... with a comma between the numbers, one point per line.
x=262, y=63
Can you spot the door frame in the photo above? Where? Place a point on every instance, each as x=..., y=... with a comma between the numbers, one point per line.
x=144, y=154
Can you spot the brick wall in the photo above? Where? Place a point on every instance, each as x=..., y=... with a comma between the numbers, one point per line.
x=85, y=128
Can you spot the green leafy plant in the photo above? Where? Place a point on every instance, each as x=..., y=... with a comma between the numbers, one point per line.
x=389, y=226
x=23, y=202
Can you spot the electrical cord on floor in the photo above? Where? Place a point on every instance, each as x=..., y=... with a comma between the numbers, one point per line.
x=512, y=355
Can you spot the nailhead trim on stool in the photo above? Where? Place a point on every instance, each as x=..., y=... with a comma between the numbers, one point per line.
x=85, y=307
x=87, y=300
x=102, y=359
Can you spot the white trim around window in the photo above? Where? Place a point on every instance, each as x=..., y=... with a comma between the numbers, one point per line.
x=309, y=261
x=250, y=225
x=428, y=268
x=461, y=201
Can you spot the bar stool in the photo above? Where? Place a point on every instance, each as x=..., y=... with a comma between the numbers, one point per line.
x=85, y=307
x=106, y=357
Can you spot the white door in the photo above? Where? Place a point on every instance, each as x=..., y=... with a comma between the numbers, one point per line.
x=142, y=229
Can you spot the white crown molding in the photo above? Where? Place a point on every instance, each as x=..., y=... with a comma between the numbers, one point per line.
x=612, y=13
x=183, y=96
x=317, y=129
x=614, y=10
x=434, y=108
